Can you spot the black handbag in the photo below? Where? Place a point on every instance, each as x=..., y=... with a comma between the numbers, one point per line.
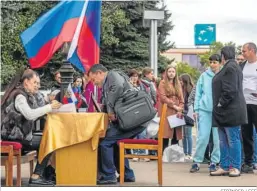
x=134, y=110
x=189, y=121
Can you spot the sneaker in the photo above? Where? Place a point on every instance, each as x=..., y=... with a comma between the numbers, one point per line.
x=195, y=167
x=186, y=157
x=127, y=179
x=247, y=169
x=41, y=181
x=212, y=167
x=233, y=172
x=146, y=160
x=190, y=157
x=111, y=181
x=220, y=172
x=135, y=159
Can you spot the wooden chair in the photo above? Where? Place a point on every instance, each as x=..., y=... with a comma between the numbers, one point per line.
x=13, y=149
x=149, y=144
x=8, y=164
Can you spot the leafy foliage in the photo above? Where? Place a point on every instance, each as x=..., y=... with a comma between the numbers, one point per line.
x=183, y=68
x=215, y=49
x=124, y=41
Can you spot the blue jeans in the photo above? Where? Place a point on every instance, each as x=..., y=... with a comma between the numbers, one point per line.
x=140, y=151
x=108, y=153
x=187, y=140
x=230, y=147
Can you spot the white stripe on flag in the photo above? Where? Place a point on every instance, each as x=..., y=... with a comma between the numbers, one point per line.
x=75, y=39
x=72, y=95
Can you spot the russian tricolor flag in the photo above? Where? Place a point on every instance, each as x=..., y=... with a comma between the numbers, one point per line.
x=77, y=22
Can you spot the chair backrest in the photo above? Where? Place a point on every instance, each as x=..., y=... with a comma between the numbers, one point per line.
x=161, y=126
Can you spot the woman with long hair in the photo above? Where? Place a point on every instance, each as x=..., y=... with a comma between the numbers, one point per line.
x=187, y=87
x=19, y=110
x=170, y=92
x=78, y=89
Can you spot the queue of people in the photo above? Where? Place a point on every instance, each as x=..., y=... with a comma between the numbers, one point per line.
x=223, y=100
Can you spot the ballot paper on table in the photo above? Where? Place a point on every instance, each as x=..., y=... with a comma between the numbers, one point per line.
x=174, y=121
x=66, y=108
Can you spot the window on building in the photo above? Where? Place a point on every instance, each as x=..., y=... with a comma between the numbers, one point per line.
x=192, y=59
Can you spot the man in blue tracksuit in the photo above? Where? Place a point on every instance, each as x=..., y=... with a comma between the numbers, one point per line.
x=203, y=113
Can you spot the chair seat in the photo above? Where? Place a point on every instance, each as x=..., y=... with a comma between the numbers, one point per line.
x=16, y=145
x=139, y=141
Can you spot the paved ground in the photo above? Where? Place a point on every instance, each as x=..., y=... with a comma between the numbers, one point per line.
x=174, y=174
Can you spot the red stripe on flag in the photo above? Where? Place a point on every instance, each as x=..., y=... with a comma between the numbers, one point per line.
x=46, y=52
x=88, y=48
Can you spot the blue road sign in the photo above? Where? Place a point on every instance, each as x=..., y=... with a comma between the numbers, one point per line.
x=205, y=34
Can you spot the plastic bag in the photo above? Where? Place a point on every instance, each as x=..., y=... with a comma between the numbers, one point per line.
x=173, y=153
x=153, y=128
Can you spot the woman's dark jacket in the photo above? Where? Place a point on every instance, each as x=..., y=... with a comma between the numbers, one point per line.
x=229, y=106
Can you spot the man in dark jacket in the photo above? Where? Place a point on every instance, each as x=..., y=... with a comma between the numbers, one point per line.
x=229, y=112
x=113, y=86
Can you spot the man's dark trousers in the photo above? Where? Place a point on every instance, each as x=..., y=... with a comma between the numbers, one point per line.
x=108, y=152
x=247, y=133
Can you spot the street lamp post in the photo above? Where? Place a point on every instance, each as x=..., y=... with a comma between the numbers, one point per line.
x=66, y=71
x=153, y=17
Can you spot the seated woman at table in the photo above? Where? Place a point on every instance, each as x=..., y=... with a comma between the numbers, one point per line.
x=19, y=110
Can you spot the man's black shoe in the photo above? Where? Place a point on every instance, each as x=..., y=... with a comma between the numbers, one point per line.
x=111, y=181
x=247, y=169
x=49, y=174
x=127, y=179
x=40, y=182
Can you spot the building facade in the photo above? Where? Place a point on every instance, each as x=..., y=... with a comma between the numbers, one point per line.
x=188, y=55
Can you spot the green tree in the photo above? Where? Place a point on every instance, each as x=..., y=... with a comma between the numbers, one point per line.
x=16, y=17
x=215, y=49
x=185, y=68
x=124, y=42
x=132, y=50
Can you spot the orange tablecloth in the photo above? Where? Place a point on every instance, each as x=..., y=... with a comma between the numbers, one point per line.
x=66, y=129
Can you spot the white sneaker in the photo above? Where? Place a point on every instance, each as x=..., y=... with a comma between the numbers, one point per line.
x=135, y=159
x=146, y=160
x=190, y=157
x=186, y=158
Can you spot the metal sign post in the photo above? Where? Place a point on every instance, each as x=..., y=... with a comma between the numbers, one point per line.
x=154, y=17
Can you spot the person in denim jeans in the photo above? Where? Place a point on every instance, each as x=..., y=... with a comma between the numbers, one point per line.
x=140, y=151
x=187, y=86
x=229, y=112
